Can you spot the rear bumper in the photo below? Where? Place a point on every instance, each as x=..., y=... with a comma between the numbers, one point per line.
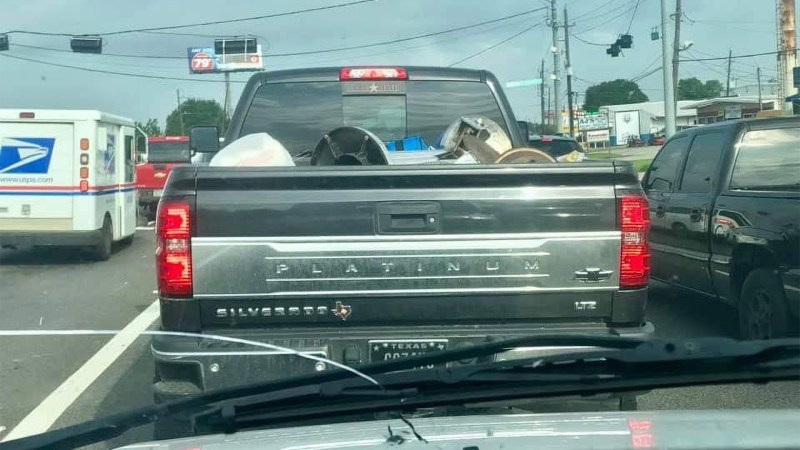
x=50, y=238
x=188, y=365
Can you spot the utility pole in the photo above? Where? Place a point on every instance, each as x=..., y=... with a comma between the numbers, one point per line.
x=728, y=82
x=556, y=65
x=569, y=76
x=666, y=73
x=227, y=102
x=758, y=77
x=548, y=103
x=676, y=47
x=180, y=111
x=541, y=92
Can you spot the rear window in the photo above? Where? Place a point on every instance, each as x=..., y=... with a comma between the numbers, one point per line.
x=167, y=152
x=555, y=148
x=768, y=160
x=298, y=114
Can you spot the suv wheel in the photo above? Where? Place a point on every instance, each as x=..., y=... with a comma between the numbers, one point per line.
x=763, y=313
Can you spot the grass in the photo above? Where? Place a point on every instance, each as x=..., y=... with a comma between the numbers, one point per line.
x=641, y=165
x=602, y=155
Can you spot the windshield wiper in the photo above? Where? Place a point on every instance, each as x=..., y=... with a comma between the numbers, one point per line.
x=616, y=365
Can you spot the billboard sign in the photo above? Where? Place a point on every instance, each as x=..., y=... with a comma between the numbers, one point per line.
x=592, y=122
x=597, y=136
x=206, y=60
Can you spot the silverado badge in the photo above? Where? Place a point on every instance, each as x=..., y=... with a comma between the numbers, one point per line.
x=342, y=311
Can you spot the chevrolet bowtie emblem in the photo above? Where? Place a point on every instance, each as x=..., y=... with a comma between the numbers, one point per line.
x=160, y=175
x=342, y=311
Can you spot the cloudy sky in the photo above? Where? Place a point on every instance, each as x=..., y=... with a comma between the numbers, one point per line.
x=714, y=27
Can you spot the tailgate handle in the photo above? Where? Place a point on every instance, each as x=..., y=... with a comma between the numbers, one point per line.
x=408, y=217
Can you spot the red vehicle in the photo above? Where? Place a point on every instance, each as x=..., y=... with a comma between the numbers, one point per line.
x=163, y=153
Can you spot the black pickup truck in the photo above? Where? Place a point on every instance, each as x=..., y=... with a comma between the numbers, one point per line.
x=375, y=262
x=725, y=219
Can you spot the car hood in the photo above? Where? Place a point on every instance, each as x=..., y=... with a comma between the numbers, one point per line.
x=728, y=429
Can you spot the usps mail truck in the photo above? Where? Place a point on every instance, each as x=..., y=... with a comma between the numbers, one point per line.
x=67, y=178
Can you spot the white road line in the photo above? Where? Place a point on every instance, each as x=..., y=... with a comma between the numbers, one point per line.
x=46, y=413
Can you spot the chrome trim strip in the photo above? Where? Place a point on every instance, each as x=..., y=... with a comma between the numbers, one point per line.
x=319, y=353
x=448, y=255
x=466, y=277
x=470, y=239
x=521, y=290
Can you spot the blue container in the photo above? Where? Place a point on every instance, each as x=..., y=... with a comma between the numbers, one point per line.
x=413, y=143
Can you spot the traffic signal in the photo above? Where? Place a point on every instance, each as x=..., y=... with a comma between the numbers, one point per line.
x=86, y=44
x=625, y=41
x=614, y=50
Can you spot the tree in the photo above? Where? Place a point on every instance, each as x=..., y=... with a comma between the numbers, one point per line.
x=616, y=92
x=151, y=127
x=694, y=89
x=196, y=112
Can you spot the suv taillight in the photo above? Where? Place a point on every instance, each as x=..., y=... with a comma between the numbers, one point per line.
x=173, y=250
x=634, y=221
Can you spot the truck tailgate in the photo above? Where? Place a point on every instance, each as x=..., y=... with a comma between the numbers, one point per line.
x=492, y=243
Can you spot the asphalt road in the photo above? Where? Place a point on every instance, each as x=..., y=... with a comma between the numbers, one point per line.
x=58, y=290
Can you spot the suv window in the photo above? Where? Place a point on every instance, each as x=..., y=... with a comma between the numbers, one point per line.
x=661, y=176
x=701, y=165
x=768, y=160
x=298, y=114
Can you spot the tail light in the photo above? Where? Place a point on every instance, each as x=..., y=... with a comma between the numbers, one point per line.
x=634, y=222
x=173, y=250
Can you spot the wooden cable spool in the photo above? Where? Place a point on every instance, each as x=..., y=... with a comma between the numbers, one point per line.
x=524, y=155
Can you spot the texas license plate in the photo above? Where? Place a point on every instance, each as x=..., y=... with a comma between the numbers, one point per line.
x=389, y=350
x=158, y=192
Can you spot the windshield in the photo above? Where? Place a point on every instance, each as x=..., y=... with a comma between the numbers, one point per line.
x=232, y=216
x=165, y=152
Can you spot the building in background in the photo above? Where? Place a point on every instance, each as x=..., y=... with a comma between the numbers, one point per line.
x=729, y=108
x=644, y=120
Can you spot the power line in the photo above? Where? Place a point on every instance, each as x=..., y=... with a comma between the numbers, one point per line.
x=587, y=42
x=633, y=16
x=480, y=52
x=427, y=44
x=119, y=55
x=594, y=10
x=603, y=22
x=596, y=16
x=314, y=52
x=112, y=72
x=198, y=24
x=395, y=41
x=734, y=57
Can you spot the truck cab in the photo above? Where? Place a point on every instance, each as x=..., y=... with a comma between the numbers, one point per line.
x=163, y=153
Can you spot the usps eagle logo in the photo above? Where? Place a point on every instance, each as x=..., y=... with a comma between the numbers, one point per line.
x=26, y=155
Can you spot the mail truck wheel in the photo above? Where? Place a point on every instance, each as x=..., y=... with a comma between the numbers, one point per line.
x=102, y=251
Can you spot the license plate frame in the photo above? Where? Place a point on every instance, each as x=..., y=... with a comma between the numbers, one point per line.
x=404, y=348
